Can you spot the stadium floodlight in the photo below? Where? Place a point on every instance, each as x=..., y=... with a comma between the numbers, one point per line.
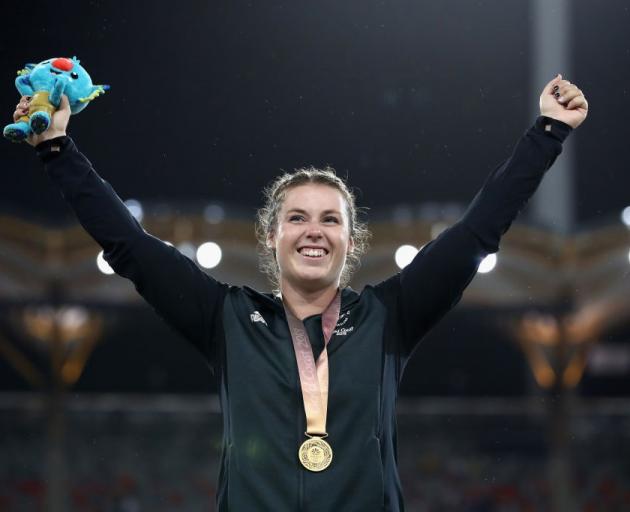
x=209, y=255
x=404, y=255
x=102, y=265
x=487, y=264
x=187, y=249
x=135, y=208
x=214, y=213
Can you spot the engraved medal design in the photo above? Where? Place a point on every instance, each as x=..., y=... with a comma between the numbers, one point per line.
x=315, y=454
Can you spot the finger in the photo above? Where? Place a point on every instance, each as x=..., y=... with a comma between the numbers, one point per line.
x=568, y=94
x=565, y=89
x=548, y=89
x=65, y=104
x=577, y=102
x=562, y=84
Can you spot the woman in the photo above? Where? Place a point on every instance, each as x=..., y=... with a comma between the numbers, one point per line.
x=289, y=444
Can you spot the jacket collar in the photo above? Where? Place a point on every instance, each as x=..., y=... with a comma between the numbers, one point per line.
x=348, y=298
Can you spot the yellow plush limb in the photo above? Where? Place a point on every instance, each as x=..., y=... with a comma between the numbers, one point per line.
x=40, y=102
x=97, y=92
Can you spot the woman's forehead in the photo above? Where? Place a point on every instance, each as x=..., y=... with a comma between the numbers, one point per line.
x=314, y=196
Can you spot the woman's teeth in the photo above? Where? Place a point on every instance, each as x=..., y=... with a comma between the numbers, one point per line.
x=314, y=253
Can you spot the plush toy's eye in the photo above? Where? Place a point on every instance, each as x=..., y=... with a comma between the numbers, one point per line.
x=74, y=75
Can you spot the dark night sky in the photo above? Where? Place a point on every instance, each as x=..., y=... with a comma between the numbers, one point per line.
x=415, y=100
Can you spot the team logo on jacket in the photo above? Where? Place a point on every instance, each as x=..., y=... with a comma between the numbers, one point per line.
x=341, y=329
x=257, y=317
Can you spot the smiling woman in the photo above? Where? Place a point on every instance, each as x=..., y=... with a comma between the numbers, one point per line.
x=318, y=208
x=285, y=360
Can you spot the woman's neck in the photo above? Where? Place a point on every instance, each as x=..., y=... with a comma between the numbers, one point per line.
x=304, y=303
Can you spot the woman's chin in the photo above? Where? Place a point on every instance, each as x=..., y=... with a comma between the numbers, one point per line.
x=313, y=279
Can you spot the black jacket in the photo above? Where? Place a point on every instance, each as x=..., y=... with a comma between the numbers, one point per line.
x=244, y=336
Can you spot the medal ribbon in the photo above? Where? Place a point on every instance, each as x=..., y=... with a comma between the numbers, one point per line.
x=314, y=376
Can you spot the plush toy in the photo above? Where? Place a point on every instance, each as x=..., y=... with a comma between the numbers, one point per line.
x=46, y=82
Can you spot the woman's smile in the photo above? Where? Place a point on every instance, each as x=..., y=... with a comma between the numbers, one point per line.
x=313, y=253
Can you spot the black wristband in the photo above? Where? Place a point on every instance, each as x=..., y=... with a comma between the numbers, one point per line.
x=52, y=147
x=557, y=129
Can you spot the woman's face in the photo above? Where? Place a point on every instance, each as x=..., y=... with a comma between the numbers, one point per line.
x=312, y=237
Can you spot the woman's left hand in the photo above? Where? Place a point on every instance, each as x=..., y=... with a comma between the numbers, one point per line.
x=563, y=101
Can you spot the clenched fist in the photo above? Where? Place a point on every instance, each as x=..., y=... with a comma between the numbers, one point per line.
x=563, y=101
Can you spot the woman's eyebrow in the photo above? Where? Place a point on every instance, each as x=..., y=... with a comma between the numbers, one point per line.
x=300, y=210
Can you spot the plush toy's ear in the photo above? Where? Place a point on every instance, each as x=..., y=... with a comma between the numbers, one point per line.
x=97, y=90
x=74, y=58
x=27, y=69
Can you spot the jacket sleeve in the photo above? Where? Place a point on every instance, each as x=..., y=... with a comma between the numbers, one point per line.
x=433, y=283
x=180, y=292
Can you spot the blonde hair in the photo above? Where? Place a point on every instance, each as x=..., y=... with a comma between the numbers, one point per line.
x=267, y=219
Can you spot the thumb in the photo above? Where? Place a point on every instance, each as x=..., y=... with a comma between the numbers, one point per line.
x=549, y=87
x=65, y=104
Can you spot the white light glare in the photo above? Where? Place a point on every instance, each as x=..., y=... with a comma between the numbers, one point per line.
x=135, y=208
x=209, y=255
x=404, y=255
x=214, y=213
x=72, y=317
x=437, y=228
x=625, y=216
x=187, y=249
x=487, y=264
x=102, y=265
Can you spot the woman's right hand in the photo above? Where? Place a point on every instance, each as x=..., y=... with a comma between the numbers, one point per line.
x=58, y=125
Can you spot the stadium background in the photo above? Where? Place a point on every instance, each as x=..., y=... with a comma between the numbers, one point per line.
x=519, y=400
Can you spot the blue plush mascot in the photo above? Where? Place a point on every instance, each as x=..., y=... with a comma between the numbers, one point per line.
x=45, y=83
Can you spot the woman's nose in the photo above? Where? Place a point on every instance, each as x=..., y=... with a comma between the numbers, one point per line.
x=314, y=232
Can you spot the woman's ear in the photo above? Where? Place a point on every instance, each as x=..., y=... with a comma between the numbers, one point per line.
x=271, y=242
x=350, y=246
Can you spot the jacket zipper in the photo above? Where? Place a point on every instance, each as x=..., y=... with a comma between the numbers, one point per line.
x=299, y=437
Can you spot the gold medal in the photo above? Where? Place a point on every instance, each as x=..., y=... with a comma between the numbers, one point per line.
x=315, y=454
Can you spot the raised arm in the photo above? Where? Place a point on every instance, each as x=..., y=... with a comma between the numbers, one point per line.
x=435, y=280
x=187, y=298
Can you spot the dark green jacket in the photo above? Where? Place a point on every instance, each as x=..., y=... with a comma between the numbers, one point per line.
x=243, y=334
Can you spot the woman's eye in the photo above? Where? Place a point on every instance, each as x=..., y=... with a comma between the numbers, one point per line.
x=331, y=219
x=295, y=218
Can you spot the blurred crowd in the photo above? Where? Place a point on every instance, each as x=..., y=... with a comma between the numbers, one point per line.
x=157, y=461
